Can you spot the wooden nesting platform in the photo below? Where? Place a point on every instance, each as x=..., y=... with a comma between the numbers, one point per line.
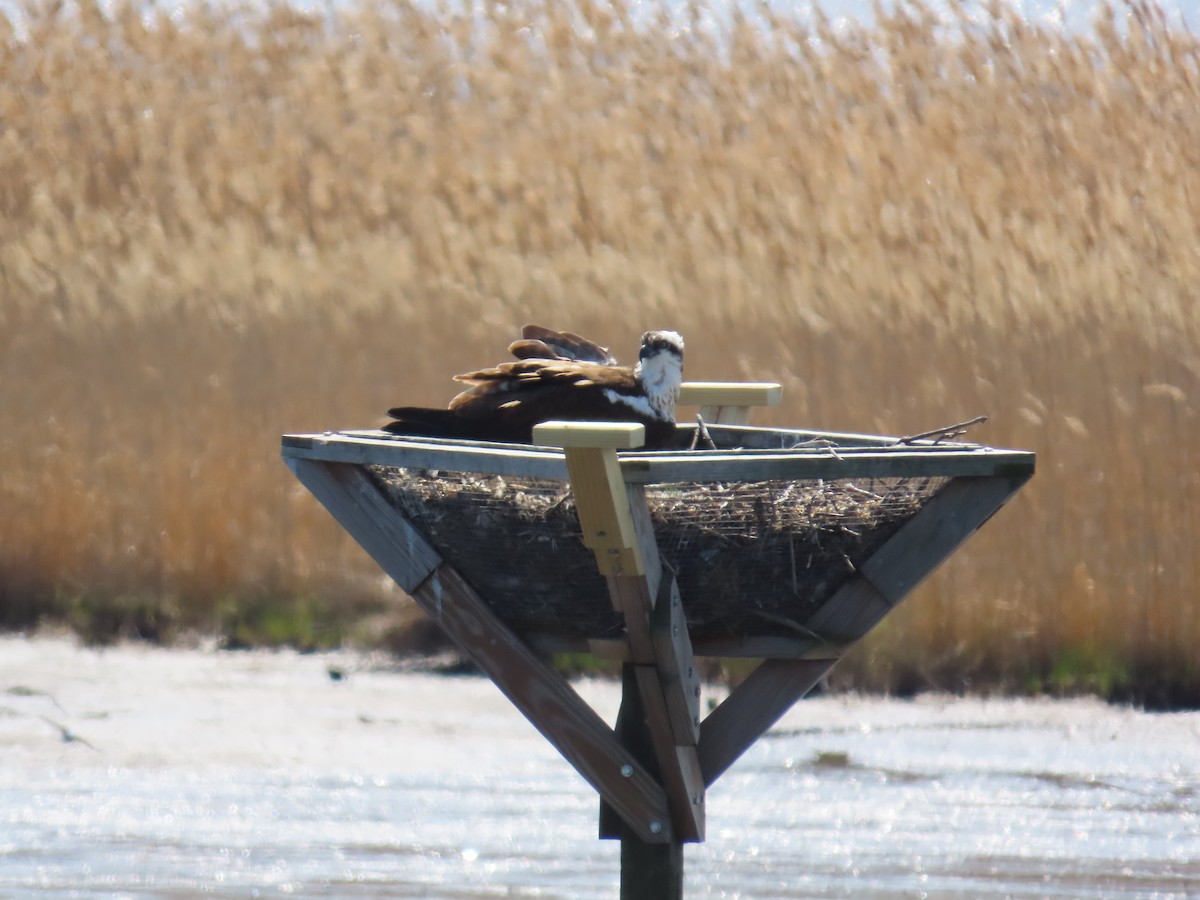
x=782, y=545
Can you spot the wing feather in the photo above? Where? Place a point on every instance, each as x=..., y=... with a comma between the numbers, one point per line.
x=529, y=349
x=562, y=344
x=491, y=390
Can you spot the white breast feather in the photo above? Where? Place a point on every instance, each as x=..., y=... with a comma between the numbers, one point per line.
x=636, y=402
x=661, y=375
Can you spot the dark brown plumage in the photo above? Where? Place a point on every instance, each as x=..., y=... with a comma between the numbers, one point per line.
x=558, y=375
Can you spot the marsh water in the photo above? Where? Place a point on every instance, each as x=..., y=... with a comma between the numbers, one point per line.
x=137, y=771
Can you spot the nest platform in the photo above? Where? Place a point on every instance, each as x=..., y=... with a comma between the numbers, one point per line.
x=784, y=545
x=760, y=533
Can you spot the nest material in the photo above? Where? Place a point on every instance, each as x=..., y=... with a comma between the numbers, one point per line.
x=751, y=558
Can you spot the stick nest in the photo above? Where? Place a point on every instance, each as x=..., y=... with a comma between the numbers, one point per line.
x=751, y=558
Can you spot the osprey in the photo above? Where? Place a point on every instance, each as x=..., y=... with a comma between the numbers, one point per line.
x=558, y=375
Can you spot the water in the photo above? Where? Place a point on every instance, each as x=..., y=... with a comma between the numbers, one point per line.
x=255, y=774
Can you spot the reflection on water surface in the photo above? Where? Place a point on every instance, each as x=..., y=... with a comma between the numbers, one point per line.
x=173, y=773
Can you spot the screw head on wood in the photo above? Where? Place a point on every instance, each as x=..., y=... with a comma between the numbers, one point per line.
x=627, y=770
x=656, y=827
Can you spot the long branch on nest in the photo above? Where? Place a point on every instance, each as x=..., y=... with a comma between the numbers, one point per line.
x=943, y=434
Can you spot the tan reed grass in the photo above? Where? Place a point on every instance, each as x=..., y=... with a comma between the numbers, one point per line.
x=222, y=223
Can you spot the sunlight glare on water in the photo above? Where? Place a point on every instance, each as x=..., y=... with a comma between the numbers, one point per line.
x=255, y=774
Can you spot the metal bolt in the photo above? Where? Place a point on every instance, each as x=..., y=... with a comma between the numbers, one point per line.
x=627, y=770
x=656, y=827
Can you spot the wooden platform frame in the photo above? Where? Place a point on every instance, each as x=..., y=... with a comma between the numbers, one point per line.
x=652, y=769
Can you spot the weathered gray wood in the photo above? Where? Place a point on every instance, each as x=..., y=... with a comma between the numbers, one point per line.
x=634, y=595
x=676, y=664
x=639, y=511
x=646, y=600
x=669, y=467
x=754, y=706
x=912, y=553
x=678, y=766
x=669, y=696
x=649, y=871
x=928, y=538
x=547, y=700
x=509, y=460
x=851, y=612
x=751, y=465
x=354, y=500
x=631, y=597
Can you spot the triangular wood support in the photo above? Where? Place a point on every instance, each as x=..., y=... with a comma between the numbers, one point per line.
x=651, y=771
x=921, y=544
x=532, y=685
x=912, y=553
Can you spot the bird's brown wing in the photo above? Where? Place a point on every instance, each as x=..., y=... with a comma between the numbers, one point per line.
x=543, y=343
x=544, y=383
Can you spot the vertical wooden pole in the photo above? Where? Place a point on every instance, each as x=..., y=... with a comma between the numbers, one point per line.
x=648, y=871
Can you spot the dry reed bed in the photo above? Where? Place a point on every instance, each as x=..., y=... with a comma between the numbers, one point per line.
x=218, y=224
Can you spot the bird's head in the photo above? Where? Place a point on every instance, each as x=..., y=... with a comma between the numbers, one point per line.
x=655, y=342
x=660, y=369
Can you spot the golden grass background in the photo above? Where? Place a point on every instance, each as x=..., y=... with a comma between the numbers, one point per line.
x=218, y=224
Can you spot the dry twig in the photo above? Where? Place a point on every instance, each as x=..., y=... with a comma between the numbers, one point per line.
x=943, y=434
x=701, y=436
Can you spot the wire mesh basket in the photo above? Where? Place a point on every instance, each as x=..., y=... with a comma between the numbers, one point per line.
x=750, y=557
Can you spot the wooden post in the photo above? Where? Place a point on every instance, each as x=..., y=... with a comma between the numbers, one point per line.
x=649, y=871
x=616, y=525
x=729, y=403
